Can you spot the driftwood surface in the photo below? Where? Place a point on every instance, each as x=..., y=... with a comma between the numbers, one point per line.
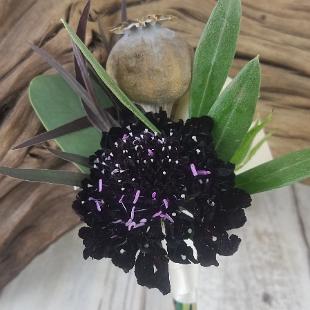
x=33, y=216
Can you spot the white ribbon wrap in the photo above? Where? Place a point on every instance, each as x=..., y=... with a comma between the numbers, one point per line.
x=184, y=282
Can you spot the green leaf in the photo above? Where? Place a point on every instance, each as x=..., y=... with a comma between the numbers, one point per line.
x=256, y=147
x=276, y=173
x=214, y=55
x=253, y=151
x=234, y=109
x=101, y=96
x=247, y=142
x=107, y=80
x=56, y=104
x=45, y=176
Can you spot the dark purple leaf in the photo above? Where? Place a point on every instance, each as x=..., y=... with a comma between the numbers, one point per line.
x=65, y=129
x=124, y=10
x=99, y=119
x=74, y=84
x=81, y=32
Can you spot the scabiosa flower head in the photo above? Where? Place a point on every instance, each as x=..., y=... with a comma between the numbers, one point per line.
x=151, y=198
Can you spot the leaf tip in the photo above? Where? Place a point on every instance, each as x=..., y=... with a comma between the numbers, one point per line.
x=15, y=147
x=2, y=170
x=64, y=23
x=256, y=60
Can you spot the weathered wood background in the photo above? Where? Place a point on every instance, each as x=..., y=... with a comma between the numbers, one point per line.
x=33, y=216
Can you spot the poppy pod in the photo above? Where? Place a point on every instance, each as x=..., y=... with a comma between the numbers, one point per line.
x=151, y=63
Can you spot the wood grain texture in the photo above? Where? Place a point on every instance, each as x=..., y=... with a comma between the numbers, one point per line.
x=276, y=30
x=269, y=272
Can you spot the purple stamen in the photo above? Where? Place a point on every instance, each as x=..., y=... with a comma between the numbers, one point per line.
x=204, y=172
x=121, y=200
x=98, y=205
x=96, y=202
x=125, y=137
x=166, y=203
x=163, y=216
x=130, y=225
x=168, y=217
x=154, y=195
x=150, y=152
x=100, y=185
x=137, y=195
x=194, y=171
x=139, y=225
x=132, y=215
x=157, y=214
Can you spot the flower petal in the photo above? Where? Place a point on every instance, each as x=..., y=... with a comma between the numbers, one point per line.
x=152, y=270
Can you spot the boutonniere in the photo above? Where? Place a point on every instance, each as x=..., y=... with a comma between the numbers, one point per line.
x=151, y=188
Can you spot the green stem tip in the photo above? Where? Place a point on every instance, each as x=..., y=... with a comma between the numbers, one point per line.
x=182, y=306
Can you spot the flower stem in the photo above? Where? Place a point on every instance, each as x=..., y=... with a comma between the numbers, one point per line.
x=181, y=306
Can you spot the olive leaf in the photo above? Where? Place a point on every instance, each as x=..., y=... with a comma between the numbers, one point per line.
x=74, y=158
x=214, y=55
x=245, y=147
x=108, y=81
x=279, y=172
x=234, y=109
x=45, y=176
x=254, y=150
x=56, y=104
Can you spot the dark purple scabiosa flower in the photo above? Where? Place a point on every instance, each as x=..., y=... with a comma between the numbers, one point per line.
x=152, y=198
